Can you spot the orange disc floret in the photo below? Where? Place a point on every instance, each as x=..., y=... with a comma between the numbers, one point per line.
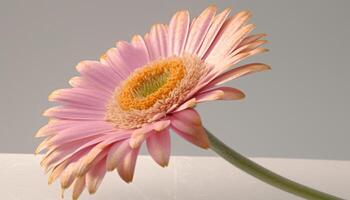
x=151, y=83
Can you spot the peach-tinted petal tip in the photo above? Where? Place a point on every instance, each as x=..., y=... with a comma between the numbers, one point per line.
x=187, y=124
x=41, y=146
x=39, y=133
x=158, y=146
x=127, y=167
x=79, y=186
x=161, y=126
x=54, y=94
x=210, y=9
x=80, y=66
x=220, y=93
x=266, y=67
x=136, y=141
x=74, y=82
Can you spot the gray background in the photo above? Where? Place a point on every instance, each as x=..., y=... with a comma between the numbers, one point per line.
x=299, y=109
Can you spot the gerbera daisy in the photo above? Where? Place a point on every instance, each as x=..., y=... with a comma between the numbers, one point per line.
x=139, y=90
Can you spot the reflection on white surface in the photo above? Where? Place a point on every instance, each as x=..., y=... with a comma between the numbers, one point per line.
x=197, y=178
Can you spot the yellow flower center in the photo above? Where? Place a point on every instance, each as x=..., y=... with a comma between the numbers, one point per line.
x=151, y=83
x=153, y=90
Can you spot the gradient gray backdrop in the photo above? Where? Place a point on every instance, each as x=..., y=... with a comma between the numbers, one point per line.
x=299, y=109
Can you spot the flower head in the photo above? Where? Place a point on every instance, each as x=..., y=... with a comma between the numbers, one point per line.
x=141, y=89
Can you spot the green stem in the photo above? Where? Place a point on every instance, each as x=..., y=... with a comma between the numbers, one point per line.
x=264, y=174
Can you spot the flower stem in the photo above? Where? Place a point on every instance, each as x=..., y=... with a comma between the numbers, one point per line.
x=264, y=174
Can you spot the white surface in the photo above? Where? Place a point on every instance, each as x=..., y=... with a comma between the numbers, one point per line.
x=197, y=178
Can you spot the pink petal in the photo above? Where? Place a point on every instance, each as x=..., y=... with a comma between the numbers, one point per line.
x=68, y=157
x=158, y=116
x=99, y=74
x=81, y=98
x=187, y=104
x=77, y=81
x=229, y=46
x=238, y=72
x=221, y=93
x=71, y=155
x=95, y=176
x=198, y=30
x=229, y=36
x=71, y=113
x=55, y=126
x=140, y=46
x=83, y=131
x=158, y=145
x=82, y=82
x=240, y=35
x=116, y=153
x=58, y=170
x=178, y=30
x=78, y=188
x=160, y=125
x=55, y=154
x=157, y=41
x=213, y=31
x=98, y=153
x=72, y=170
x=117, y=63
x=200, y=139
x=249, y=47
x=113, y=59
x=139, y=135
x=251, y=39
x=234, y=59
x=222, y=66
x=189, y=127
x=43, y=145
x=128, y=54
x=190, y=116
x=68, y=175
x=126, y=167
x=85, y=148
x=90, y=160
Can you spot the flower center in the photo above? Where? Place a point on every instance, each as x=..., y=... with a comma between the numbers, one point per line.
x=152, y=90
x=151, y=83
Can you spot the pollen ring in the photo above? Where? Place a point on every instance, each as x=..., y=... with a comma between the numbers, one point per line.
x=151, y=83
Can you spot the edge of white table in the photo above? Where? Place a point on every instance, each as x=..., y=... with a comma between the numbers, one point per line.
x=186, y=177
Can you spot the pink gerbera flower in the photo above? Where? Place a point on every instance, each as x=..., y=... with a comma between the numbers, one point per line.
x=141, y=89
